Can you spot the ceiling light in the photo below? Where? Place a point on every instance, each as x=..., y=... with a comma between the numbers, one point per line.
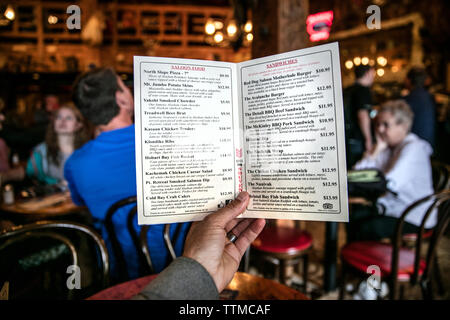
x=382, y=61
x=218, y=25
x=248, y=26
x=52, y=19
x=231, y=29
x=9, y=13
x=218, y=37
x=209, y=27
x=380, y=72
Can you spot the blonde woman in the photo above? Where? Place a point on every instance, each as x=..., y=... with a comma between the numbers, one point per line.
x=404, y=159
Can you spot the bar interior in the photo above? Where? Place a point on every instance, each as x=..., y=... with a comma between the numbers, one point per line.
x=71, y=111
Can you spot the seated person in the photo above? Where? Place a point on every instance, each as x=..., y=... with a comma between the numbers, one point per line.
x=4, y=150
x=65, y=133
x=103, y=171
x=6, y=172
x=404, y=159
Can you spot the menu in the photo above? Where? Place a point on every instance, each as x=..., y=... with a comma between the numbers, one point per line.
x=272, y=126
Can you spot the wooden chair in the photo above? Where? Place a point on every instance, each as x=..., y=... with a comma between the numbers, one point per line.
x=140, y=240
x=284, y=246
x=168, y=241
x=441, y=175
x=116, y=247
x=399, y=264
x=35, y=267
x=441, y=179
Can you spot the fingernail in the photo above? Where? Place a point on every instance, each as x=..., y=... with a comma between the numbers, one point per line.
x=242, y=196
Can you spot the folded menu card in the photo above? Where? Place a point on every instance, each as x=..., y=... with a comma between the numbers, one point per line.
x=273, y=126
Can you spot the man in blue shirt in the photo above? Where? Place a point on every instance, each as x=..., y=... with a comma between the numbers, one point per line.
x=103, y=171
x=422, y=105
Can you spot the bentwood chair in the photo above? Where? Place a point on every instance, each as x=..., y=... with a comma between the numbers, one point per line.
x=441, y=175
x=116, y=247
x=168, y=241
x=140, y=240
x=283, y=246
x=35, y=260
x=441, y=180
x=401, y=265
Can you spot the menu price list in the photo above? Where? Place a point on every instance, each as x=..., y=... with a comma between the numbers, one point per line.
x=290, y=134
x=186, y=137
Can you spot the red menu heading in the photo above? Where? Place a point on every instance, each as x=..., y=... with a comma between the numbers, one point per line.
x=192, y=68
x=281, y=63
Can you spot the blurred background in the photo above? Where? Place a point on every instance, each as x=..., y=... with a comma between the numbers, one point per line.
x=40, y=56
x=45, y=44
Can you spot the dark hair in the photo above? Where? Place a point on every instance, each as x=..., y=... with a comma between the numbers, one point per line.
x=361, y=70
x=94, y=93
x=417, y=77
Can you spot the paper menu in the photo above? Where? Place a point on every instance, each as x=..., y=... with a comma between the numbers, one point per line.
x=273, y=126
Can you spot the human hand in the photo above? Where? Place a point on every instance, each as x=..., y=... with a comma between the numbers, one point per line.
x=380, y=145
x=207, y=241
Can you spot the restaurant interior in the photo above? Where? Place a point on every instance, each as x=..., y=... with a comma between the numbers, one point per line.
x=47, y=237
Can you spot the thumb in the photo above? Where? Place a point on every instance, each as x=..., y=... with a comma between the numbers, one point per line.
x=231, y=211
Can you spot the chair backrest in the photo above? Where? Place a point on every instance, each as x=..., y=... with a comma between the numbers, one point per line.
x=439, y=201
x=441, y=176
x=62, y=232
x=140, y=241
x=143, y=240
x=116, y=247
x=431, y=257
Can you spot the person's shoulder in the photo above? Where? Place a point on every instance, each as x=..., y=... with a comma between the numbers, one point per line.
x=351, y=89
x=416, y=145
x=40, y=148
x=363, y=89
x=418, y=93
x=116, y=135
x=83, y=153
x=358, y=90
x=127, y=130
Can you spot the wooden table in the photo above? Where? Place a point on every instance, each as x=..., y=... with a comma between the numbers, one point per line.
x=52, y=206
x=359, y=200
x=250, y=287
x=244, y=286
